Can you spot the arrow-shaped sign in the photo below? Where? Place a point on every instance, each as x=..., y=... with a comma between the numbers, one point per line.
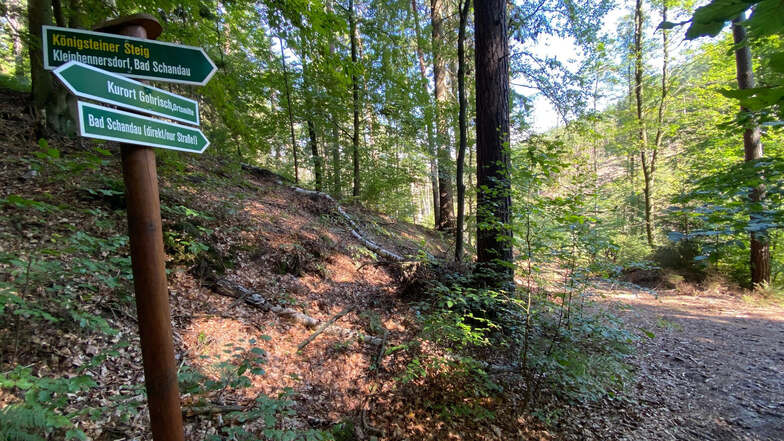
x=115, y=125
x=129, y=56
x=90, y=82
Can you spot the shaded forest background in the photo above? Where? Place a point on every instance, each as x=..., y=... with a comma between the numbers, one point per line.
x=361, y=100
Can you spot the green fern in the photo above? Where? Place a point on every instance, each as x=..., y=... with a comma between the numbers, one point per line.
x=37, y=416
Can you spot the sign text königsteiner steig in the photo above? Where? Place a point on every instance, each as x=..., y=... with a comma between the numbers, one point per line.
x=133, y=57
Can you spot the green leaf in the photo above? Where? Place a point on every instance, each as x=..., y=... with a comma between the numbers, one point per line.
x=710, y=19
x=75, y=434
x=776, y=62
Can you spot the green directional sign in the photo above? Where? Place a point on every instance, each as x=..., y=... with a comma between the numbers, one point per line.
x=129, y=56
x=115, y=125
x=90, y=82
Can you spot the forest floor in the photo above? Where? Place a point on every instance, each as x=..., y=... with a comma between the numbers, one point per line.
x=710, y=365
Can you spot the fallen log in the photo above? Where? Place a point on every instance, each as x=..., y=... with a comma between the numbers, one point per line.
x=353, y=227
x=230, y=289
x=189, y=412
x=237, y=291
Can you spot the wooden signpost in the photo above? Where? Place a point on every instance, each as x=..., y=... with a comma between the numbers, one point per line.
x=124, y=48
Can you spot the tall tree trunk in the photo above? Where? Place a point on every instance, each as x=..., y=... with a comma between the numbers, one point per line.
x=336, y=186
x=462, y=129
x=447, y=221
x=639, y=21
x=59, y=14
x=354, y=96
x=49, y=104
x=752, y=146
x=75, y=14
x=14, y=21
x=318, y=162
x=335, y=141
x=425, y=98
x=291, y=114
x=494, y=201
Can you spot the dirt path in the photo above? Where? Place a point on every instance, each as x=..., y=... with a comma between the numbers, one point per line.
x=710, y=366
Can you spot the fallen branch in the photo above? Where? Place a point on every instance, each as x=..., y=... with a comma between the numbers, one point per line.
x=382, y=349
x=353, y=227
x=324, y=327
x=230, y=289
x=189, y=412
x=491, y=369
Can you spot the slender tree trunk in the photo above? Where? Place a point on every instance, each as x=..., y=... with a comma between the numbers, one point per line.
x=664, y=91
x=335, y=148
x=494, y=201
x=425, y=98
x=59, y=14
x=643, y=133
x=447, y=221
x=471, y=167
x=291, y=114
x=75, y=14
x=14, y=19
x=318, y=162
x=462, y=129
x=752, y=146
x=354, y=96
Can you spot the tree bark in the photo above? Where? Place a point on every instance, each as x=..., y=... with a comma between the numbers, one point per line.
x=425, y=98
x=336, y=166
x=291, y=115
x=354, y=97
x=75, y=14
x=466, y=4
x=494, y=234
x=49, y=100
x=446, y=218
x=639, y=21
x=59, y=15
x=759, y=258
x=318, y=162
x=39, y=13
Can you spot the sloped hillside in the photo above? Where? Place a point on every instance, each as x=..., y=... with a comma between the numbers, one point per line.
x=255, y=268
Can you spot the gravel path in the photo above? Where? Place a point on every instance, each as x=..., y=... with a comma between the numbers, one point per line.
x=710, y=366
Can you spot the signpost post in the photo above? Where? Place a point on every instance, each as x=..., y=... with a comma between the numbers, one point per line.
x=149, y=279
x=85, y=58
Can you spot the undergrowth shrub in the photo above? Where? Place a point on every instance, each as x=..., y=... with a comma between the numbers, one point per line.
x=547, y=338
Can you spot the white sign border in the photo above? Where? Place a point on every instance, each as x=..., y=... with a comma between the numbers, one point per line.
x=82, y=132
x=45, y=37
x=120, y=104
